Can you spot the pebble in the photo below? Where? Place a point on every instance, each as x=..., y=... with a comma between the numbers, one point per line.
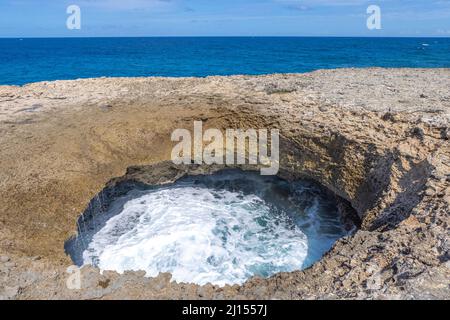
x=4, y=259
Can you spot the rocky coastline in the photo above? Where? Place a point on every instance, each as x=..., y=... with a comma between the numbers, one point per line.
x=377, y=138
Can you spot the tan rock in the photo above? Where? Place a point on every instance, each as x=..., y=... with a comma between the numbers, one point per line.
x=346, y=129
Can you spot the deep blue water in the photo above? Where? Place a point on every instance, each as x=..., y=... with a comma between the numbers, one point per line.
x=30, y=60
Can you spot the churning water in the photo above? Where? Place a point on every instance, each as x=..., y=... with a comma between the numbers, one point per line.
x=219, y=229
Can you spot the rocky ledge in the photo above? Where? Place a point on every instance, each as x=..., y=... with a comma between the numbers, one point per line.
x=378, y=138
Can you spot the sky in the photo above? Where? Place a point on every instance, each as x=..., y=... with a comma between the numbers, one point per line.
x=112, y=18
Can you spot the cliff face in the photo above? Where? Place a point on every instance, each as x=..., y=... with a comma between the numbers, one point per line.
x=376, y=137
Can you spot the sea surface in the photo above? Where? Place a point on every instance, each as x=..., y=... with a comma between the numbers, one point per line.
x=239, y=224
x=30, y=59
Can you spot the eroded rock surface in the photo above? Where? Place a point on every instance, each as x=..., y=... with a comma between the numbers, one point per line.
x=376, y=137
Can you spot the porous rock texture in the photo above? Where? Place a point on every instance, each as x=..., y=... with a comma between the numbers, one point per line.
x=378, y=138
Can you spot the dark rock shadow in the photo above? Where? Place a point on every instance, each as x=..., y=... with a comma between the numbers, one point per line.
x=413, y=183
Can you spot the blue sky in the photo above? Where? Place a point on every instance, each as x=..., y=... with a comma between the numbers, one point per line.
x=47, y=18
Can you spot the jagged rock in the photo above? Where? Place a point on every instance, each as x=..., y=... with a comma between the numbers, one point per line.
x=352, y=135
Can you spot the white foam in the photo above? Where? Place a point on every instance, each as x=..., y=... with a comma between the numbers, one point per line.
x=199, y=235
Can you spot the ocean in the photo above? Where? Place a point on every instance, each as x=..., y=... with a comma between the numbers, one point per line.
x=30, y=59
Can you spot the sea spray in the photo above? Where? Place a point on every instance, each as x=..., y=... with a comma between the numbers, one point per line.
x=219, y=229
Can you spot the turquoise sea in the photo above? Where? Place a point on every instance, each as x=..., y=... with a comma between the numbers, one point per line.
x=32, y=59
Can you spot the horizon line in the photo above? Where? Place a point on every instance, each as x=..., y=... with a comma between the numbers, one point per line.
x=228, y=36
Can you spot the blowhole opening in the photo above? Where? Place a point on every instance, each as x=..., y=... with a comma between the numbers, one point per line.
x=222, y=228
